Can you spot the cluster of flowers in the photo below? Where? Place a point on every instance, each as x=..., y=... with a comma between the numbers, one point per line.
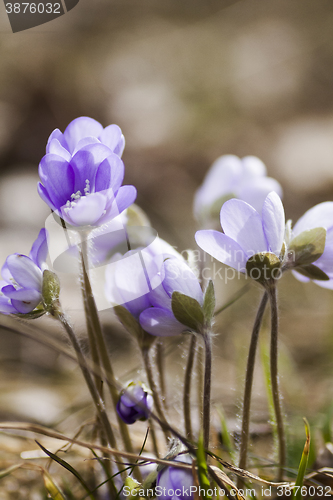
x=81, y=178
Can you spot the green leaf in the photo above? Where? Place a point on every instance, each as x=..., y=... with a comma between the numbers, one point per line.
x=187, y=311
x=209, y=303
x=67, y=466
x=313, y=272
x=52, y=488
x=202, y=468
x=263, y=266
x=307, y=247
x=297, y=493
x=50, y=289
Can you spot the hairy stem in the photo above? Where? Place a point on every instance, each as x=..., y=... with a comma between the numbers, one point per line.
x=93, y=321
x=244, y=438
x=153, y=388
x=160, y=365
x=275, y=381
x=207, y=387
x=99, y=403
x=200, y=377
x=187, y=387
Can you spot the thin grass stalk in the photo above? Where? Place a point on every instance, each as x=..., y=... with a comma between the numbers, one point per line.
x=153, y=388
x=244, y=438
x=275, y=381
x=187, y=387
x=93, y=319
x=207, y=387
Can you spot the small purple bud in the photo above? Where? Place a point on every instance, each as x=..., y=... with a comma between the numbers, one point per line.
x=135, y=403
x=173, y=483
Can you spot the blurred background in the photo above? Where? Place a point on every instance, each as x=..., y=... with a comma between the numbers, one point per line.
x=187, y=81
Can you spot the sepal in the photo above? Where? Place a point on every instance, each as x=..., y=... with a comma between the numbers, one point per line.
x=133, y=327
x=313, y=272
x=187, y=311
x=307, y=247
x=50, y=290
x=209, y=303
x=263, y=267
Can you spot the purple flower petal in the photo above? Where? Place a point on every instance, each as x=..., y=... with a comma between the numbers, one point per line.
x=220, y=181
x=38, y=253
x=319, y=216
x=112, y=137
x=85, y=164
x=180, y=278
x=222, y=248
x=57, y=177
x=26, y=306
x=273, y=221
x=252, y=167
x=159, y=298
x=243, y=224
x=110, y=173
x=6, y=274
x=56, y=134
x=160, y=322
x=24, y=271
x=255, y=191
x=181, y=478
x=22, y=294
x=87, y=141
x=86, y=211
x=126, y=414
x=45, y=196
x=132, y=395
x=6, y=306
x=124, y=198
x=54, y=147
x=79, y=129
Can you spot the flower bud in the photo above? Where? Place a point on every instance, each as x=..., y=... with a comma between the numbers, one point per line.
x=171, y=479
x=135, y=403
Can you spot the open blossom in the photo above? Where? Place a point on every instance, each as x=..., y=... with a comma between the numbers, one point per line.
x=135, y=403
x=232, y=177
x=247, y=233
x=320, y=215
x=146, y=290
x=175, y=484
x=21, y=288
x=81, y=132
x=85, y=189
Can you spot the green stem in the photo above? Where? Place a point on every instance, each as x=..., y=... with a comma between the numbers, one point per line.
x=98, y=338
x=275, y=381
x=153, y=388
x=98, y=380
x=160, y=365
x=187, y=387
x=244, y=439
x=200, y=377
x=207, y=387
x=99, y=403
